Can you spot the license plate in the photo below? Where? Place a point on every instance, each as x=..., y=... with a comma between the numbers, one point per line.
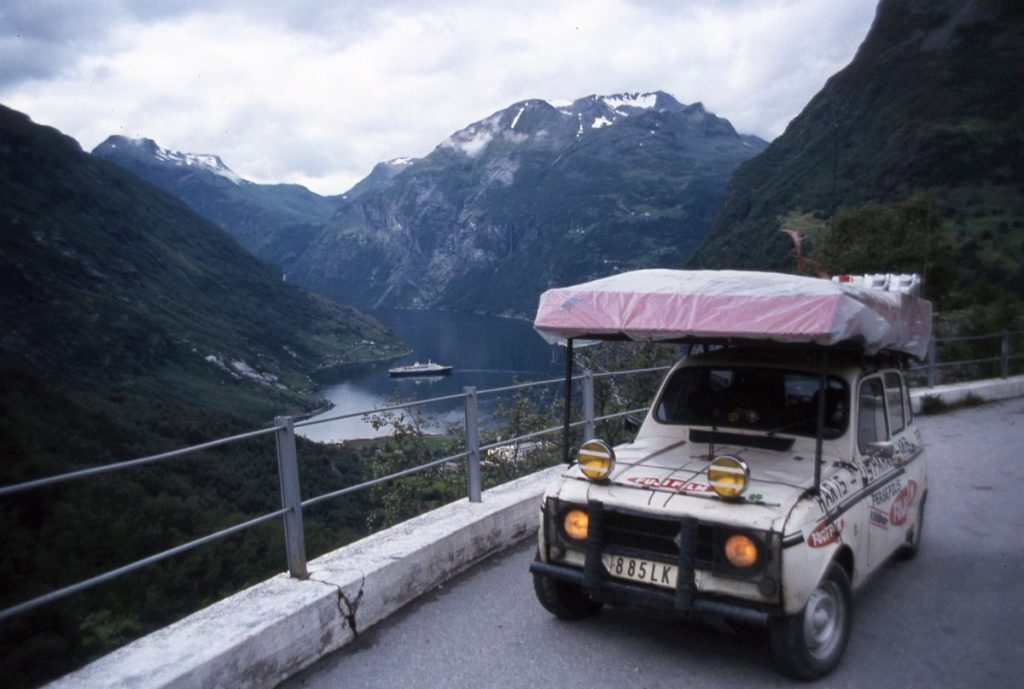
x=644, y=571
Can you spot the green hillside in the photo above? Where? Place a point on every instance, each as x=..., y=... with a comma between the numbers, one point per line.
x=931, y=105
x=274, y=222
x=132, y=326
x=107, y=280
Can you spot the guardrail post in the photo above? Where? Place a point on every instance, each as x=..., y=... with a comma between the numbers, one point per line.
x=931, y=362
x=588, y=404
x=291, y=498
x=1004, y=356
x=472, y=445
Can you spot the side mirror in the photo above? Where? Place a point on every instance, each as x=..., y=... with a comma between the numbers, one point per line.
x=631, y=423
x=882, y=448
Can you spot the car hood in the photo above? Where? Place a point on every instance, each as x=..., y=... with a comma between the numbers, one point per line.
x=669, y=475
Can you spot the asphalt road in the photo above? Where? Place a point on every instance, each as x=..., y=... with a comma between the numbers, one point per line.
x=950, y=618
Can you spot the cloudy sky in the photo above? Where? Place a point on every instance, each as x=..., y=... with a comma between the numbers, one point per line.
x=318, y=91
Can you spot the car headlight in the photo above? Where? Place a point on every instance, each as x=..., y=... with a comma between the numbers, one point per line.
x=596, y=459
x=728, y=476
x=575, y=524
x=742, y=551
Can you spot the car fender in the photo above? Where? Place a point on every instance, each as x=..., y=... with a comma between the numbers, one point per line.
x=808, y=550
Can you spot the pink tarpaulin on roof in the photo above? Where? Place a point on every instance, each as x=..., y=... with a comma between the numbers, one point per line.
x=657, y=305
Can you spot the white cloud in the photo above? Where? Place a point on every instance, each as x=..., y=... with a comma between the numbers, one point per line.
x=318, y=92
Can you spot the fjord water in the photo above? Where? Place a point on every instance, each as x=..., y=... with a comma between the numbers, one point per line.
x=486, y=351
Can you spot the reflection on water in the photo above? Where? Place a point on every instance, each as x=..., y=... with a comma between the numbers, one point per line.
x=487, y=352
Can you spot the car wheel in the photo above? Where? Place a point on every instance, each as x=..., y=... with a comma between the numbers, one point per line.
x=909, y=550
x=809, y=644
x=564, y=600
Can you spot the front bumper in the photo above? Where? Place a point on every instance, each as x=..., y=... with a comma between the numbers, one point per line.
x=623, y=593
x=685, y=542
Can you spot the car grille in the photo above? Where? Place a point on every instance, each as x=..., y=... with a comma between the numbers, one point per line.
x=654, y=537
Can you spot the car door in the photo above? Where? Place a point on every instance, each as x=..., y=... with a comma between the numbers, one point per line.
x=899, y=509
x=886, y=447
x=878, y=465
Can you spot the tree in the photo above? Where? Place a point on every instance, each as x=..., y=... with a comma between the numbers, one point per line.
x=409, y=445
x=614, y=394
x=903, y=237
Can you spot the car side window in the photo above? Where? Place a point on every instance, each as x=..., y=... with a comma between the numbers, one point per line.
x=894, y=402
x=871, y=422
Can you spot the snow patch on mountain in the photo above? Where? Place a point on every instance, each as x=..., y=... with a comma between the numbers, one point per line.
x=619, y=102
x=203, y=161
x=515, y=119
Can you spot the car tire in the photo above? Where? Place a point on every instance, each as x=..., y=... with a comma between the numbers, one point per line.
x=810, y=644
x=909, y=550
x=564, y=600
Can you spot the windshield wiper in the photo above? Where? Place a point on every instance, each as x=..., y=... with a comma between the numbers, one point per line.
x=801, y=422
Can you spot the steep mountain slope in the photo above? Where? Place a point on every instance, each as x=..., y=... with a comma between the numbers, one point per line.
x=381, y=174
x=272, y=221
x=132, y=326
x=930, y=104
x=532, y=196
x=104, y=279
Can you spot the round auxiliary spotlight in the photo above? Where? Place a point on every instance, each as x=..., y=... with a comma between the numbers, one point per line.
x=728, y=476
x=596, y=459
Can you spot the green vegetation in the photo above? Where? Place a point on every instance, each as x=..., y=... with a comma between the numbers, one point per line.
x=911, y=237
x=891, y=238
x=925, y=110
x=133, y=327
x=272, y=221
x=523, y=412
x=57, y=536
x=106, y=279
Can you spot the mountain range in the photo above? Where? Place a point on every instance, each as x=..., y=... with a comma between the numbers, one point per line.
x=108, y=281
x=541, y=194
x=272, y=221
x=534, y=195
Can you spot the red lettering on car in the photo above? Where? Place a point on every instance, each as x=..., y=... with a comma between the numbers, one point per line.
x=670, y=484
x=826, y=534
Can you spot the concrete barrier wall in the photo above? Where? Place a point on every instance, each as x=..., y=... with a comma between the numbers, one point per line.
x=260, y=636
x=990, y=390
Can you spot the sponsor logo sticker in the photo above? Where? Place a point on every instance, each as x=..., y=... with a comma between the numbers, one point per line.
x=826, y=533
x=900, y=509
x=675, y=484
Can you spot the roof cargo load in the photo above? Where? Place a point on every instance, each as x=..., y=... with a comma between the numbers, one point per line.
x=678, y=305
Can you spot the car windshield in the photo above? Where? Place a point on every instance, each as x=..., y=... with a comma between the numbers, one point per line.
x=758, y=399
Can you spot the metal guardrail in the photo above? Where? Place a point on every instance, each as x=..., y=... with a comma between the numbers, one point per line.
x=1002, y=358
x=292, y=504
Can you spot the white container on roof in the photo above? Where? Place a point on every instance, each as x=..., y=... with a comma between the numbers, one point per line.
x=664, y=305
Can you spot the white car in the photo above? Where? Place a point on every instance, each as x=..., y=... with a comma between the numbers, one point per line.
x=775, y=471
